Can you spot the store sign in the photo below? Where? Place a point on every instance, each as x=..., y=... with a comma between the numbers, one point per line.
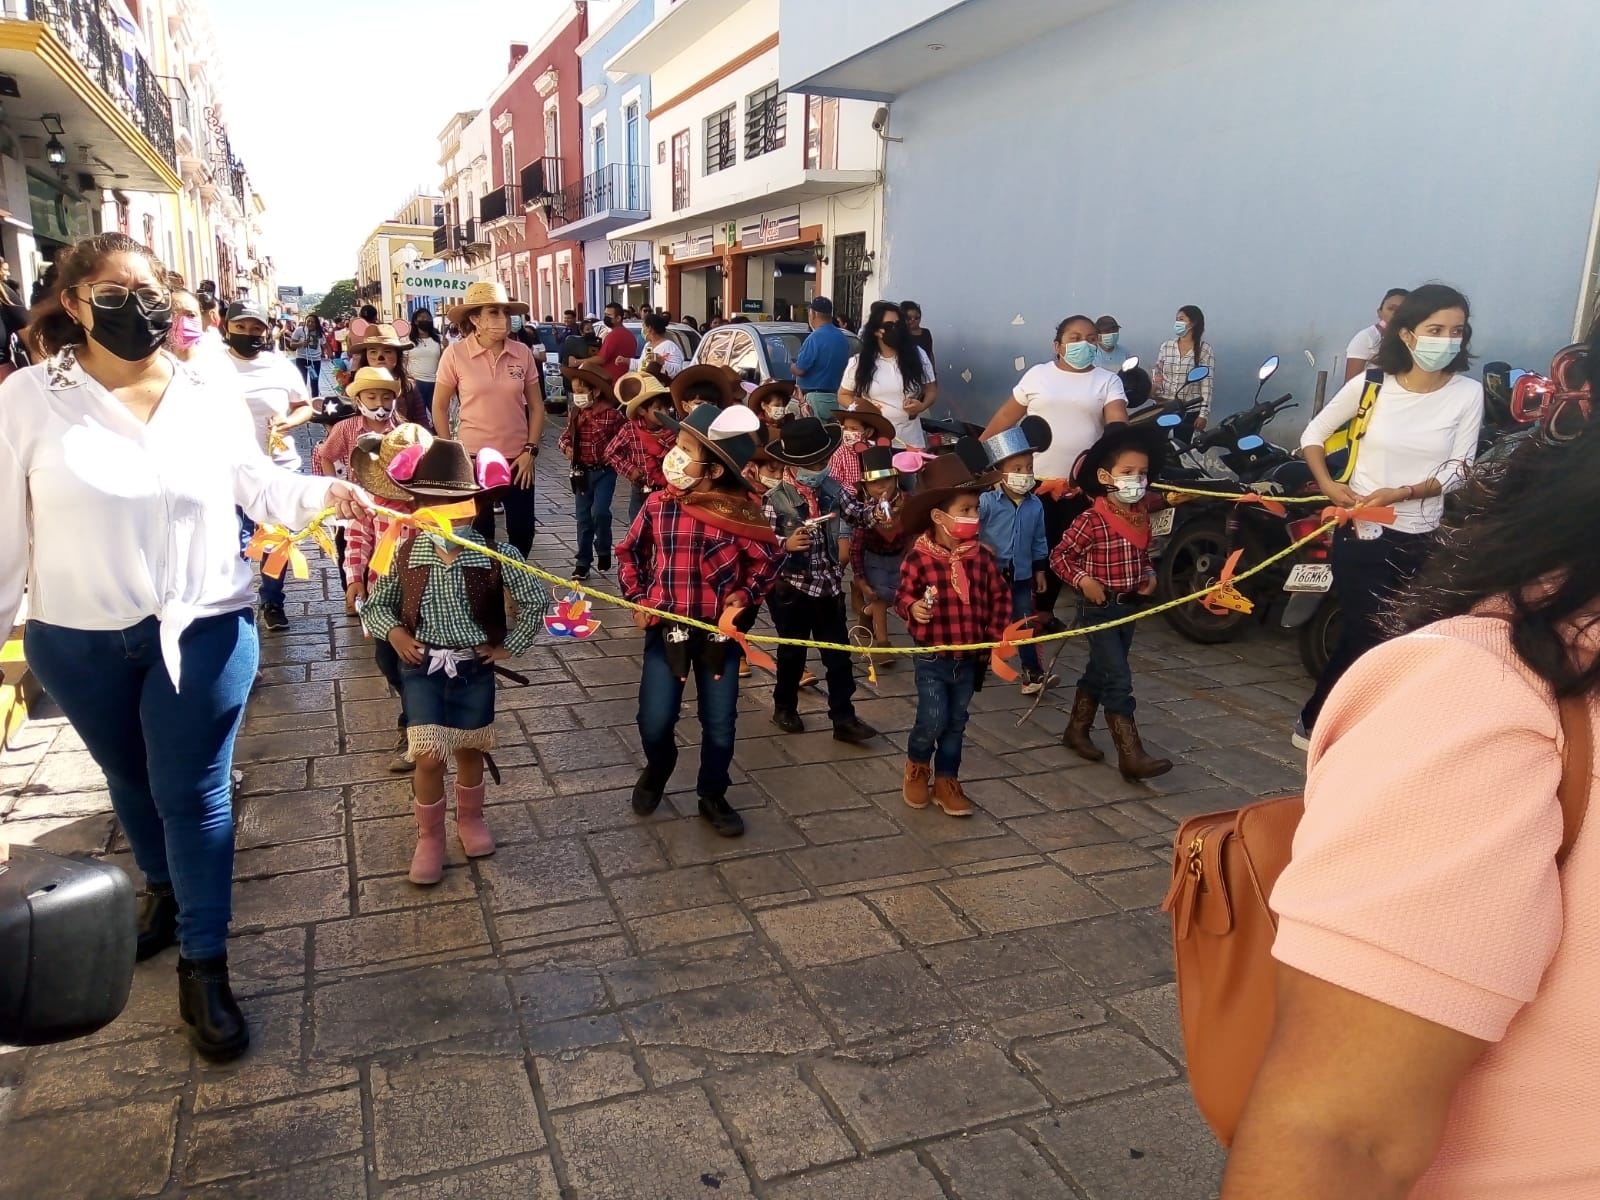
x=698, y=244
x=290, y=293
x=626, y=252
x=769, y=229
x=417, y=284
x=730, y=233
x=751, y=306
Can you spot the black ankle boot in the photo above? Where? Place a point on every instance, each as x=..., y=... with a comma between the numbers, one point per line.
x=206, y=1003
x=649, y=791
x=723, y=818
x=158, y=920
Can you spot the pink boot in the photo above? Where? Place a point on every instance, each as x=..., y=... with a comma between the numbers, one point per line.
x=475, y=837
x=427, y=863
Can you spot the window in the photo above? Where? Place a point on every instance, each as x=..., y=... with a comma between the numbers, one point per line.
x=598, y=137
x=743, y=356
x=765, y=121
x=720, y=151
x=822, y=133
x=508, y=160
x=680, y=171
x=718, y=348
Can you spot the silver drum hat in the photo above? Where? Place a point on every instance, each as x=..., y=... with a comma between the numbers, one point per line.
x=1031, y=435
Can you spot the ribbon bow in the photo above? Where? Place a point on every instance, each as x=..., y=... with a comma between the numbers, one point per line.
x=438, y=519
x=447, y=661
x=753, y=654
x=1225, y=598
x=275, y=550
x=999, y=657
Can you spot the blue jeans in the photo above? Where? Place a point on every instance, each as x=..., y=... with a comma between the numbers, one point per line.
x=271, y=590
x=1108, y=678
x=594, y=516
x=1022, y=606
x=661, y=697
x=823, y=404
x=945, y=683
x=167, y=755
x=636, y=496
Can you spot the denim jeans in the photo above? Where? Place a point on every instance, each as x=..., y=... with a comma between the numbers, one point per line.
x=270, y=590
x=636, y=497
x=167, y=755
x=823, y=404
x=389, y=667
x=521, y=516
x=1022, y=606
x=425, y=390
x=594, y=517
x=1108, y=678
x=661, y=698
x=945, y=683
x=813, y=618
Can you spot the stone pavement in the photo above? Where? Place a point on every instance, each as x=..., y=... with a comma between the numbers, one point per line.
x=854, y=1000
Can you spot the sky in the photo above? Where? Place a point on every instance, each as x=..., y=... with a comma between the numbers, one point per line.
x=335, y=108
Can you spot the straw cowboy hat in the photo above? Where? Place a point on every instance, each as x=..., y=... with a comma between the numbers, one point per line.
x=480, y=295
x=369, y=461
x=599, y=385
x=381, y=334
x=729, y=433
x=943, y=478
x=725, y=380
x=372, y=379
x=636, y=389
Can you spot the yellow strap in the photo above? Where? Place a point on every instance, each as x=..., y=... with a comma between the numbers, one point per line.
x=1349, y=437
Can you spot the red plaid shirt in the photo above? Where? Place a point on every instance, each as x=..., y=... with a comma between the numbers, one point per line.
x=597, y=426
x=845, y=465
x=637, y=453
x=1092, y=549
x=680, y=565
x=983, y=617
x=361, y=538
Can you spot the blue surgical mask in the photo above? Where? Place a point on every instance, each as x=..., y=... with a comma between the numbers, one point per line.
x=516, y=324
x=1078, y=354
x=811, y=478
x=1110, y=340
x=1435, y=353
x=1179, y=328
x=1130, y=489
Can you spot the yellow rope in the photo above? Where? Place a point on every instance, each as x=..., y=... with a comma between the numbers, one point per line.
x=1183, y=491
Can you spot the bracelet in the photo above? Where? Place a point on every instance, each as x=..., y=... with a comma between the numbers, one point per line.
x=1411, y=491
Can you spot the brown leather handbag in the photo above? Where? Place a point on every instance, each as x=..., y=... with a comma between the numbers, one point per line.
x=1223, y=870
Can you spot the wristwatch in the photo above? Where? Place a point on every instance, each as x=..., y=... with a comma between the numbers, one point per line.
x=530, y=448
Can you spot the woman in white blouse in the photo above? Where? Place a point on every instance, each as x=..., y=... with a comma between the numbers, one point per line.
x=897, y=380
x=1421, y=437
x=120, y=469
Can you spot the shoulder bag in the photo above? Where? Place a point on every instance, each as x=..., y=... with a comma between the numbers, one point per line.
x=1341, y=447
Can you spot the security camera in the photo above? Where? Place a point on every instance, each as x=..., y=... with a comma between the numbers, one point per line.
x=880, y=119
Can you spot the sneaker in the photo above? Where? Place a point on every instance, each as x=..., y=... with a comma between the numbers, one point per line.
x=854, y=731
x=274, y=618
x=744, y=668
x=1034, y=682
x=580, y=574
x=400, y=764
x=604, y=563
x=788, y=720
x=724, y=819
x=1300, y=739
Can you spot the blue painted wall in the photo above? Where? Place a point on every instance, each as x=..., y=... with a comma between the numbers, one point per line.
x=1278, y=163
x=592, y=70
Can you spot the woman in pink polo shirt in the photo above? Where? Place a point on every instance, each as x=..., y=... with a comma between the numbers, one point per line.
x=1438, y=1031
x=498, y=384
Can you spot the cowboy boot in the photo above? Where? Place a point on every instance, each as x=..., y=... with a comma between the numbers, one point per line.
x=1076, y=735
x=475, y=837
x=1132, y=760
x=427, y=863
x=915, y=790
x=952, y=801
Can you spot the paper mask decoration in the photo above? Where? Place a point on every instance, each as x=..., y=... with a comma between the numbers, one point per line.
x=493, y=470
x=572, y=619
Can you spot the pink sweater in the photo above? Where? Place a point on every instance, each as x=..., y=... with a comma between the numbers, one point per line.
x=1424, y=877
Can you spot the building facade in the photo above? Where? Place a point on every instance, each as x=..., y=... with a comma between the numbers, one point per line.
x=1279, y=165
x=390, y=250
x=761, y=197
x=464, y=161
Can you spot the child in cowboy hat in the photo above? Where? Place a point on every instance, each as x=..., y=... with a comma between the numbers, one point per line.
x=951, y=594
x=1105, y=555
x=374, y=391
x=594, y=423
x=443, y=609
x=637, y=450
x=808, y=601
x=1013, y=526
x=699, y=548
x=385, y=345
x=863, y=428
x=876, y=551
x=705, y=383
x=777, y=402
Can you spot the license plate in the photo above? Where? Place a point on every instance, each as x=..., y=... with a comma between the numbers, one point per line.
x=1309, y=577
x=1161, y=522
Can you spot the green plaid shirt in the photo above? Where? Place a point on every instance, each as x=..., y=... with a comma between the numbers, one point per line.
x=446, y=618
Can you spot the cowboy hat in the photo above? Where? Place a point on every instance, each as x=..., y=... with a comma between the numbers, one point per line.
x=943, y=478
x=445, y=471
x=723, y=380
x=369, y=461
x=1031, y=436
x=877, y=462
x=599, y=385
x=480, y=295
x=636, y=389
x=879, y=425
x=1149, y=439
x=805, y=442
x=381, y=334
x=728, y=433
x=372, y=379
x=774, y=389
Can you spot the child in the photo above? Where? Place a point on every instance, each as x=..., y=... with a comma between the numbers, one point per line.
x=374, y=391
x=593, y=425
x=640, y=445
x=698, y=549
x=704, y=383
x=877, y=550
x=951, y=593
x=808, y=601
x=777, y=403
x=1013, y=527
x=1104, y=555
x=443, y=609
x=862, y=428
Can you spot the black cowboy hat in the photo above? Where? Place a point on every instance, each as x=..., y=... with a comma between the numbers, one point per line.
x=444, y=471
x=943, y=478
x=1149, y=439
x=723, y=380
x=726, y=433
x=805, y=442
x=877, y=462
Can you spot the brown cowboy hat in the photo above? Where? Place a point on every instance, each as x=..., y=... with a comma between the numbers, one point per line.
x=874, y=420
x=599, y=385
x=724, y=379
x=480, y=295
x=369, y=461
x=943, y=478
x=445, y=471
x=775, y=389
x=382, y=334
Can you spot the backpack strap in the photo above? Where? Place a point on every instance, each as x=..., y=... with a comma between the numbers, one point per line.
x=1357, y=428
x=1577, y=770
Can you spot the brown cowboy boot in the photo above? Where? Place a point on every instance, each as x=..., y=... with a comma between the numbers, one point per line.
x=1132, y=760
x=1076, y=735
x=915, y=790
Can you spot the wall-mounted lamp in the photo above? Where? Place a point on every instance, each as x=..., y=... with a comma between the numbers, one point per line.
x=655, y=274
x=820, y=252
x=54, y=152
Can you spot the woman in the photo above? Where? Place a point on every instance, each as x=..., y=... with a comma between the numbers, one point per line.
x=1186, y=350
x=497, y=381
x=421, y=362
x=307, y=344
x=119, y=473
x=1078, y=400
x=897, y=380
x=662, y=356
x=1422, y=433
x=383, y=346
x=1436, y=1032
x=188, y=342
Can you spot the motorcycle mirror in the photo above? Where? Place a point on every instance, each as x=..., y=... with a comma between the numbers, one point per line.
x=1268, y=369
x=1196, y=375
x=1129, y=363
x=1169, y=420
x=1311, y=359
x=1251, y=442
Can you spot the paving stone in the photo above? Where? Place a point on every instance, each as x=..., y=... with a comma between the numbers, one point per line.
x=892, y=993
x=249, y=1083
x=1255, y=773
x=292, y=899
x=1155, y=1011
x=1144, y=887
x=114, y=1154
x=585, y=921
x=286, y=860
x=898, y=1175
x=1091, y=860
x=781, y=1124
x=396, y=936
x=1022, y=899
x=384, y=846
x=630, y=851
x=667, y=1067
x=1116, y=951
x=1014, y=995
x=332, y=1179
x=942, y=1090
x=585, y=1076
x=691, y=841
x=919, y=915
x=764, y=1016
x=427, y=1119
x=561, y=752
x=998, y=1165
x=544, y=873
x=550, y=995
x=267, y=747
x=1095, y=1062
x=259, y=962
x=385, y=893
x=689, y=925
x=526, y=1179
x=757, y=878
x=801, y=791
x=826, y=931
x=854, y=825
x=565, y=816
x=991, y=957
x=1058, y=830
x=65, y=1078
x=561, y=1037
x=668, y=891
x=824, y=866
x=650, y=1147
x=367, y=1015
x=245, y=1141
x=1147, y=1144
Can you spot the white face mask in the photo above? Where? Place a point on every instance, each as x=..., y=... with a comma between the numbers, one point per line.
x=581, y=399
x=375, y=414
x=770, y=481
x=1020, y=482
x=1130, y=489
x=440, y=544
x=775, y=412
x=675, y=467
x=851, y=437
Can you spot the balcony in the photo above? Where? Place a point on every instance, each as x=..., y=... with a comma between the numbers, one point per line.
x=608, y=199
x=541, y=180
x=501, y=204
x=445, y=239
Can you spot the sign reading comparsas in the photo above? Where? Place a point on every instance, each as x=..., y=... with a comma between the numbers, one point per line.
x=290, y=293
x=418, y=284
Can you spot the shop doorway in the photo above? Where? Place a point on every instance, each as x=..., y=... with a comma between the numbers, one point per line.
x=700, y=293
x=784, y=282
x=849, y=276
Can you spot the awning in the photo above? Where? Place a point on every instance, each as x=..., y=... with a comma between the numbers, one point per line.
x=809, y=185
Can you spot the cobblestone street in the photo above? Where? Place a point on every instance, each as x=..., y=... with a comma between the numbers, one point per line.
x=854, y=1000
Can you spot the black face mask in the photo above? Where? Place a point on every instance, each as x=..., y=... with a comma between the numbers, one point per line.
x=248, y=345
x=609, y=320
x=129, y=332
x=891, y=335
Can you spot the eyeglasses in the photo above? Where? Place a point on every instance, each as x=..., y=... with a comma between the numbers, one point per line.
x=114, y=295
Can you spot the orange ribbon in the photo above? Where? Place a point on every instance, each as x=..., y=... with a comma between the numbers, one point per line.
x=1056, y=489
x=275, y=550
x=1343, y=516
x=438, y=518
x=753, y=654
x=1272, y=506
x=1225, y=598
x=999, y=656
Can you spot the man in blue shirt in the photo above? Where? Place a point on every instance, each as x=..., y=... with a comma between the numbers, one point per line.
x=819, y=368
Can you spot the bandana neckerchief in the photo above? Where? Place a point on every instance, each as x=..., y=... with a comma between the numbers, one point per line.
x=731, y=514
x=953, y=558
x=1136, y=530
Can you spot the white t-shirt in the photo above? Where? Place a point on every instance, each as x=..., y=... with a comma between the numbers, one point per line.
x=1365, y=344
x=1411, y=437
x=1074, y=402
x=422, y=360
x=272, y=386
x=888, y=392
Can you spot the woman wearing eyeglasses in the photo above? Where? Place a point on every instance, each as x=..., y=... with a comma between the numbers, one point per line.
x=120, y=470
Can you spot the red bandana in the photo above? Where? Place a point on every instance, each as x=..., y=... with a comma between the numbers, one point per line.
x=958, y=571
x=1136, y=530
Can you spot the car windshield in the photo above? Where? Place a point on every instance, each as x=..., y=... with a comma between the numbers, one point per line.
x=782, y=349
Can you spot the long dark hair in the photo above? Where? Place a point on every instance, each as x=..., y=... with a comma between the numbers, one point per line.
x=908, y=354
x=50, y=327
x=1393, y=356
x=1513, y=536
x=433, y=329
x=1197, y=328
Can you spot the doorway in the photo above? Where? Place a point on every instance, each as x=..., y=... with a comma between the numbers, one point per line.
x=849, y=276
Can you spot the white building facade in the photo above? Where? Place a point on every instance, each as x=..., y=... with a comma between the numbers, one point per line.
x=464, y=161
